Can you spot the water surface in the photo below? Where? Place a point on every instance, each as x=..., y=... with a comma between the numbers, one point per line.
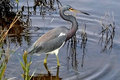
x=97, y=65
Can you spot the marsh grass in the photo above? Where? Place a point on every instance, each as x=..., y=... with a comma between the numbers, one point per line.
x=26, y=66
x=107, y=31
x=5, y=53
x=2, y=70
x=4, y=58
x=3, y=65
x=3, y=36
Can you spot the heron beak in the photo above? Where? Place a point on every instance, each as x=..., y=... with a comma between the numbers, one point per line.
x=77, y=11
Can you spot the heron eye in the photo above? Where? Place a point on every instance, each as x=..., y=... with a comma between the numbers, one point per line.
x=70, y=8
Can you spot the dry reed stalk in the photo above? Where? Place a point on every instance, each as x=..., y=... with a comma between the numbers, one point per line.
x=11, y=25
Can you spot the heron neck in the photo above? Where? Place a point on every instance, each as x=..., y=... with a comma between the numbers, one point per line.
x=71, y=19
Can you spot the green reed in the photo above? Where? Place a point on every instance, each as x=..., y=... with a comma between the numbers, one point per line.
x=2, y=70
x=4, y=57
x=26, y=66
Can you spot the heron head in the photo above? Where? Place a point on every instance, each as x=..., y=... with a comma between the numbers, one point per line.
x=68, y=7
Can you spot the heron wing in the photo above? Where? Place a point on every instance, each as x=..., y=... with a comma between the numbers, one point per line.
x=50, y=35
x=51, y=45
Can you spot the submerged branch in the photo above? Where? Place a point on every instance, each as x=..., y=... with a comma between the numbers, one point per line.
x=83, y=43
x=108, y=32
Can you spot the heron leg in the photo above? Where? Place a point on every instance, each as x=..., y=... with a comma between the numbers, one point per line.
x=58, y=63
x=45, y=64
x=45, y=60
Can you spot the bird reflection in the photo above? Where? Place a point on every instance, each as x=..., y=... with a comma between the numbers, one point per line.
x=46, y=67
x=48, y=76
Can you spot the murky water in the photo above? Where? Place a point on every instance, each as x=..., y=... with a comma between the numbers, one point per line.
x=97, y=66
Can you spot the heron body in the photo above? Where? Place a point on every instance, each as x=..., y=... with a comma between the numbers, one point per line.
x=53, y=40
x=50, y=41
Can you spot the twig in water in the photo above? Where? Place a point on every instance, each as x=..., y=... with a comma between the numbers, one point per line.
x=83, y=43
x=108, y=32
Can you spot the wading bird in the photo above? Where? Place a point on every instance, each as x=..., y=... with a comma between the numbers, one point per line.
x=53, y=40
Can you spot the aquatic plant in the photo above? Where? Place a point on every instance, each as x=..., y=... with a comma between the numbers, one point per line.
x=5, y=53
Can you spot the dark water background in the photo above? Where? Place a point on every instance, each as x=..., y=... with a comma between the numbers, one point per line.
x=97, y=66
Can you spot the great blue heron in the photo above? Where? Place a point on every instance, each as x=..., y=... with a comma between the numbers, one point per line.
x=53, y=40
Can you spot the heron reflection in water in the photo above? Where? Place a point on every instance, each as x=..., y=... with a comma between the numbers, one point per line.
x=53, y=40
